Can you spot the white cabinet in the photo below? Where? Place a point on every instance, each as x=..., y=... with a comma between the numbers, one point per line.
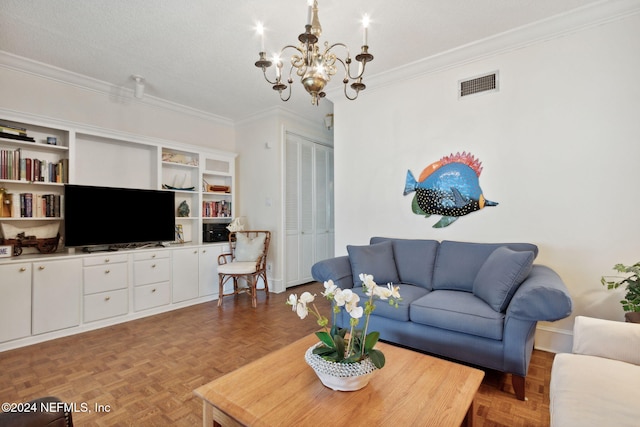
x=57, y=286
x=309, y=207
x=15, y=301
x=151, y=280
x=208, y=269
x=105, y=280
x=185, y=282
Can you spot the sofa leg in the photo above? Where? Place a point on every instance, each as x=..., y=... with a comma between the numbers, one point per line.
x=518, y=386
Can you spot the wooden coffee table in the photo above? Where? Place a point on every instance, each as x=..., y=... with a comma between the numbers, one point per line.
x=280, y=389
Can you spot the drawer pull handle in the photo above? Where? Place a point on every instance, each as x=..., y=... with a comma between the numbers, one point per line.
x=153, y=290
x=107, y=271
x=153, y=256
x=153, y=266
x=107, y=260
x=195, y=252
x=107, y=298
x=41, y=267
x=22, y=269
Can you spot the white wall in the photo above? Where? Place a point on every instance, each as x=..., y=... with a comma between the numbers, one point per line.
x=559, y=143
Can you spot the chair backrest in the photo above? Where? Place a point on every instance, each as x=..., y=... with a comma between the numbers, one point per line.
x=250, y=245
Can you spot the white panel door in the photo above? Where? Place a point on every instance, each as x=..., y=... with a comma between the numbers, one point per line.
x=309, y=207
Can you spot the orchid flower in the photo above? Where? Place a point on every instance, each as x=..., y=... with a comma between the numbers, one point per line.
x=347, y=299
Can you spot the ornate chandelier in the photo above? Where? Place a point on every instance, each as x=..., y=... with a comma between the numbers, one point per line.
x=315, y=65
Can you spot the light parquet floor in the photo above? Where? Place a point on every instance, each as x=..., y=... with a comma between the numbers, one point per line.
x=143, y=373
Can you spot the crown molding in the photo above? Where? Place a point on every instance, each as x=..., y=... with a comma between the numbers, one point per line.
x=548, y=29
x=59, y=75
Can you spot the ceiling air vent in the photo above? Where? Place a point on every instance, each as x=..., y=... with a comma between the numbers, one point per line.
x=481, y=84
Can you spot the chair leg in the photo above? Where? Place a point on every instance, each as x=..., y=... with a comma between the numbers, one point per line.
x=253, y=284
x=266, y=284
x=220, y=288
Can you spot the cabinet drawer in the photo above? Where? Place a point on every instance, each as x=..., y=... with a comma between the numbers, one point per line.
x=105, y=305
x=151, y=271
x=150, y=296
x=143, y=256
x=108, y=277
x=104, y=259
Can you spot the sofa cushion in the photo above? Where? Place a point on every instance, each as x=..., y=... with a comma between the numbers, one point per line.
x=409, y=293
x=376, y=260
x=459, y=312
x=414, y=259
x=457, y=263
x=607, y=338
x=500, y=276
x=589, y=391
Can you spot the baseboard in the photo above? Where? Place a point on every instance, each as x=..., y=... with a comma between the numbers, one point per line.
x=553, y=340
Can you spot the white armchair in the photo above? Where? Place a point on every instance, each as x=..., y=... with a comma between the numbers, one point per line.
x=598, y=383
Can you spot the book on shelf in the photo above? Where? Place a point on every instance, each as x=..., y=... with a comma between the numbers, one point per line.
x=16, y=130
x=33, y=205
x=3, y=124
x=16, y=137
x=218, y=209
x=15, y=167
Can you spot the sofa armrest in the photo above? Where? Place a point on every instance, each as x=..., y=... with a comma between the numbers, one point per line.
x=607, y=338
x=542, y=296
x=337, y=269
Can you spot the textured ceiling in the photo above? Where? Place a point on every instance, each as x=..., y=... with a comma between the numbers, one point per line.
x=200, y=53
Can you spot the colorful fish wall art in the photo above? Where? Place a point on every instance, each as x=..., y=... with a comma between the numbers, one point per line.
x=448, y=187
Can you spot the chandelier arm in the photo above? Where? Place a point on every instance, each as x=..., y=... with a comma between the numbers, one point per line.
x=288, y=96
x=347, y=95
x=347, y=62
x=278, y=80
x=264, y=72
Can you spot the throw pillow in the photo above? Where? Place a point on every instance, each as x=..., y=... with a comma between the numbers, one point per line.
x=376, y=260
x=501, y=275
x=249, y=248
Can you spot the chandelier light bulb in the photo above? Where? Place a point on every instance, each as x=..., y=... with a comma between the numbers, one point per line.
x=365, y=32
x=260, y=31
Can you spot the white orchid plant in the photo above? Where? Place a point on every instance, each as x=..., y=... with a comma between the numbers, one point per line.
x=334, y=344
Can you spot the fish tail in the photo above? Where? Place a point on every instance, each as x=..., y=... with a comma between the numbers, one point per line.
x=411, y=184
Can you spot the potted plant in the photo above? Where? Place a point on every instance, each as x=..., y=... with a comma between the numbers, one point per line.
x=631, y=301
x=344, y=359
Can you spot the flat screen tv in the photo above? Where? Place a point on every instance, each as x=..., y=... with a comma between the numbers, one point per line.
x=103, y=216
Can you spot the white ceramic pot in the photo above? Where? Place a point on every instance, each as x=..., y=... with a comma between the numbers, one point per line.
x=340, y=376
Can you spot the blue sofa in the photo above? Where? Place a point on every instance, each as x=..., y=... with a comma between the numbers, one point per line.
x=477, y=303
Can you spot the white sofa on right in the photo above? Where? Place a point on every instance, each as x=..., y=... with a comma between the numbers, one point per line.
x=599, y=382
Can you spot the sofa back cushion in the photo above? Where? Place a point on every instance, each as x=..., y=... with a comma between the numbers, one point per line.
x=458, y=263
x=376, y=260
x=415, y=259
x=607, y=338
x=500, y=276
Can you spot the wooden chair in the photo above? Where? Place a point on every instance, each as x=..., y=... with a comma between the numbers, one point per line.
x=246, y=259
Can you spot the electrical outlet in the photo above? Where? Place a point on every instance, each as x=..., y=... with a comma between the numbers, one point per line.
x=269, y=267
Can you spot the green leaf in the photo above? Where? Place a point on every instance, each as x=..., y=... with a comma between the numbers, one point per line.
x=371, y=340
x=326, y=339
x=339, y=347
x=324, y=351
x=377, y=358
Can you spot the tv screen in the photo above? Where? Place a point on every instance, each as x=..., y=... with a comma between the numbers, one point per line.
x=110, y=216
